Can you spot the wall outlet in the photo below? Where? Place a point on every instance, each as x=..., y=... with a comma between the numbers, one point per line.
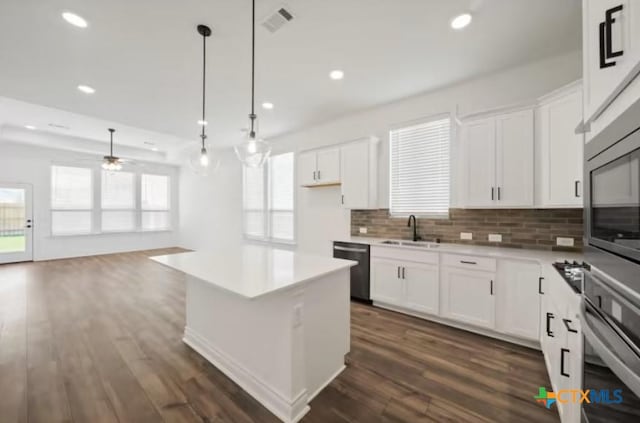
x=564, y=242
x=495, y=237
x=363, y=229
x=466, y=235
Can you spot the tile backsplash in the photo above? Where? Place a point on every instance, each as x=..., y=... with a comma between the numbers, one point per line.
x=519, y=228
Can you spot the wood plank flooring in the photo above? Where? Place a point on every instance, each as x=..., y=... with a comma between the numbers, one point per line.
x=98, y=339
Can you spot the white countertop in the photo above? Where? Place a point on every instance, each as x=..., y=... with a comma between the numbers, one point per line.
x=252, y=271
x=541, y=256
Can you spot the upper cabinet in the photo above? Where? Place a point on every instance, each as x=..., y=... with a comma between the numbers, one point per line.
x=559, y=148
x=319, y=167
x=497, y=160
x=359, y=162
x=611, y=59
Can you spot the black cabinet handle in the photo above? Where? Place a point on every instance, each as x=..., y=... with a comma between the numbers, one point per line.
x=468, y=262
x=492, y=193
x=398, y=272
x=577, y=189
x=562, y=352
x=403, y=273
x=569, y=328
x=314, y=175
x=498, y=193
x=319, y=177
x=491, y=287
x=549, y=331
x=540, y=279
x=342, y=198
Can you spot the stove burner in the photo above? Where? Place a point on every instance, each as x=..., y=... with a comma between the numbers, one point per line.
x=572, y=273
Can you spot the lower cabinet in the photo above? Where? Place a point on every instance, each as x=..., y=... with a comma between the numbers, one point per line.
x=469, y=296
x=405, y=284
x=518, y=300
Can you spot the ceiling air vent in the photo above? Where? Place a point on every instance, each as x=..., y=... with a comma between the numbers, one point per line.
x=277, y=20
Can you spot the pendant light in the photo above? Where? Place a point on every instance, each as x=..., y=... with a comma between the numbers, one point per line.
x=201, y=160
x=111, y=162
x=253, y=152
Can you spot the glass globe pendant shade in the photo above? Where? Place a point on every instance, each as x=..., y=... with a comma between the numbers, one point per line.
x=111, y=164
x=203, y=162
x=253, y=152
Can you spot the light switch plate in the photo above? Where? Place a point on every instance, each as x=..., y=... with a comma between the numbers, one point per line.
x=495, y=237
x=564, y=242
x=466, y=236
x=363, y=229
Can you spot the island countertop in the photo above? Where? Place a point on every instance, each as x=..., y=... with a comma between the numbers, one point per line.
x=252, y=271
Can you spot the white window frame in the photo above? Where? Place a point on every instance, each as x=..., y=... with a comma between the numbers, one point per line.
x=91, y=210
x=266, y=211
x=96, y=210
x=416, y=122
x=136, y=204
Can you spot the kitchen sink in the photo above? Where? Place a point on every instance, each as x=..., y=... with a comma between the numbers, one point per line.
x=420, y=244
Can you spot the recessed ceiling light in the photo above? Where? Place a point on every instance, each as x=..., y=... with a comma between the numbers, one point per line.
x=31, y=127
x=75, y=20
x=86, y=89
x=203, y=122
x=336, y=75
x=268, y=106
x=461, y=21
x=154, y=149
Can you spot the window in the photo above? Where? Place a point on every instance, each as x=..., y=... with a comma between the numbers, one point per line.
x=118, y=201
x=268, y=198
x=154, y=199
x=71, y=200
x=419, y=169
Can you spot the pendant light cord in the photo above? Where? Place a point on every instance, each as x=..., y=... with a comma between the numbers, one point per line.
x=253, y=116
x=204, y=86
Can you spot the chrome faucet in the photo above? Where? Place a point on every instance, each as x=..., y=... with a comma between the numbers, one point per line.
x=415, y=227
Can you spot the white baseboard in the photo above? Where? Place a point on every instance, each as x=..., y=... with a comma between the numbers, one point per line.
x=289, y=411
x=458, y=325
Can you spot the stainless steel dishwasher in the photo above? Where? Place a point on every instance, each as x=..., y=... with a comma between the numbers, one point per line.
x=359, y=274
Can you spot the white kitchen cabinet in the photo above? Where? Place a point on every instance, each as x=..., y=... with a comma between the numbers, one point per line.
x=319, y=167
x=479, y=161
x=497, y=160
x=421, y=287
x=559, y=148
x=468, y=296
x=359, y=163
x=386, y=282
x=518, y=300
x=611, y=59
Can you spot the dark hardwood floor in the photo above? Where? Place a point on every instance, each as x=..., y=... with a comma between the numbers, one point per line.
x=98, y=339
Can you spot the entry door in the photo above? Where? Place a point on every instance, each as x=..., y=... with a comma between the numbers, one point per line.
x=16, y=223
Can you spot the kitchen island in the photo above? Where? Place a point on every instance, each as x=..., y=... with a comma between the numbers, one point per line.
x=275, y=321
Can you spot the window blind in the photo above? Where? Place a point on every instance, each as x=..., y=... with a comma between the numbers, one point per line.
x=268, y=200
x=154, y=201
x=118, y=201
x=419, y=169
x=71, y=200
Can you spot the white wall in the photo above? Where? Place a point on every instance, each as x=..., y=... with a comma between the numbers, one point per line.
x=320, y=217
x=31, y=165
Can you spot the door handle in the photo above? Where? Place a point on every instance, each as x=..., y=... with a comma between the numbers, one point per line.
x=569, y=328
x=349, y=249
x=540, y=279
x=562, y=352
x=549, y=331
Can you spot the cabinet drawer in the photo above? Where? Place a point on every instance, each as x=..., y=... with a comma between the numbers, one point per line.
x=404, y=254
x=469, y=262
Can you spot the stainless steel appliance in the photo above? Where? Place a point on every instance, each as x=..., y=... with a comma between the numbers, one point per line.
x=611, y=367
x=360, y=288
x=572, y=273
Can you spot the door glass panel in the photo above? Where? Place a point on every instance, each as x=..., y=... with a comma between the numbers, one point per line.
x=12, y=220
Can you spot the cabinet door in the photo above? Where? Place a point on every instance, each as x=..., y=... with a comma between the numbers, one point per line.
x=328, y=166
x=468, y=296
x=386, y=283
x=354, y=161
x=514, y=144
x=307, y=168
x=562, y=152
x=478, y=152
x=422, y=287
x=518, y=299
x=603, y=73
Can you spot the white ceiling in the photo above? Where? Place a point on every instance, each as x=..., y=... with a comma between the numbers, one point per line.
x=144, y=59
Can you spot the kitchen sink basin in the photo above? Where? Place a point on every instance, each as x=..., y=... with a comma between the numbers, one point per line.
x=389, y=242
x=420, y=244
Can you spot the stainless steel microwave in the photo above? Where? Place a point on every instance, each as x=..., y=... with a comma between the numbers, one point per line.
x=612, y=199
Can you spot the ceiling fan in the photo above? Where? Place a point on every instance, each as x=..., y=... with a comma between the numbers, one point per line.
x=110, y=162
